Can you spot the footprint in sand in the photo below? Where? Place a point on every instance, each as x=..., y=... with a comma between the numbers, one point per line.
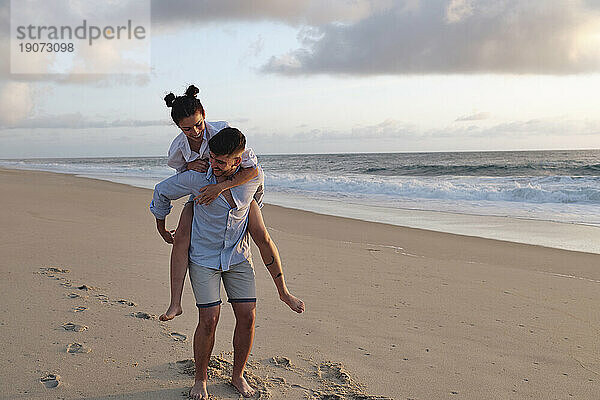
x=180, y=337
x=75, y=348
x=143, y=315
x=85, y=287
x=73, y=295
x=50, y=381
x=282, y=362
x=54, y=270
x=126, y=302
x=102, y=297
x=278, y=380
x=79, y=309
x=69, y=326
x=187, y=367
x=333, y=371
x=219, y=369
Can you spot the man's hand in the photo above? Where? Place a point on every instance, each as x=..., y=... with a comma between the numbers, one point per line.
x=209, y=193
x=164, y=233
x=198, y=165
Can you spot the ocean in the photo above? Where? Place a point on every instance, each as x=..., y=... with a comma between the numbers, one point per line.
x=549, y=198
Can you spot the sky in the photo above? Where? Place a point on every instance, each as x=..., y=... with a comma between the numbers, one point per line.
x=321, y=77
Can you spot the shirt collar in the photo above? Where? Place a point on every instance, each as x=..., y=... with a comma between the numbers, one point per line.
x=186, y=150
x=205, y=135
x=210, y=176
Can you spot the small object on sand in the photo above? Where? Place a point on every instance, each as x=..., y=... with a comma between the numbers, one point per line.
x=77, y=348
x=79, y=308
x=50, y=380
x=73, y=295
x=69, y=326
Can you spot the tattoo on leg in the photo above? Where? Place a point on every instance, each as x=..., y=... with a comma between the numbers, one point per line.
x=272, y=261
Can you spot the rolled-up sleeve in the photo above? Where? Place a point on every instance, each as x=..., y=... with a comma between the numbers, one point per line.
x=178, y=154
x=174, y=188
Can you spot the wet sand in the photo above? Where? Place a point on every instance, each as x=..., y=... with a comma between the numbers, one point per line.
x=392, y=312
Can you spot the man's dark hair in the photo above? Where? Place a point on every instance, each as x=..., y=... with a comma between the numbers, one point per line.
x=229, y=141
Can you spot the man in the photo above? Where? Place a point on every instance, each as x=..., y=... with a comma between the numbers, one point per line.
x=219, y=250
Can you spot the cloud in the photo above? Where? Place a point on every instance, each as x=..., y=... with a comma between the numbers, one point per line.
x=458, y=10
x=78, y=121
x=456, y=37
x=474, y=117
x=398, y=131
x=539, y=128
x=257, y=46
x=239, y=120
x=166, y=14
x=387, y=129
x=125, y=62
x=16, y=102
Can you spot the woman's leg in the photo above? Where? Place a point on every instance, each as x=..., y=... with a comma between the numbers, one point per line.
x=179, y=261
x=270, y=256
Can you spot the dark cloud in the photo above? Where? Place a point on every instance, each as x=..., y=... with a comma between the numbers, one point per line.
x=456, y=36
x=312, y=12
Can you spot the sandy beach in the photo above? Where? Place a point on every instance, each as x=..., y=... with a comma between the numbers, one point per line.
x=392, y=312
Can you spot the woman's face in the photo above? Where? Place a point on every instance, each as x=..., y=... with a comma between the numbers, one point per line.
x=193, y=126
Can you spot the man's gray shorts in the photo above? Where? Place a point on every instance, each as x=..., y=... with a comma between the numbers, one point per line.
x=238, y=281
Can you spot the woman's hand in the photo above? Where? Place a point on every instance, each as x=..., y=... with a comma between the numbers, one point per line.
x=198, y=165
x=168, y=236
x=163, y=232
x=209, y=193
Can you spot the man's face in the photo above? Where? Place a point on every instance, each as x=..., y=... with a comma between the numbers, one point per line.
x=224, y=165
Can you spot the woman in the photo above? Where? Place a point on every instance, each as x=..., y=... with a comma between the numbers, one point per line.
x=189, y=151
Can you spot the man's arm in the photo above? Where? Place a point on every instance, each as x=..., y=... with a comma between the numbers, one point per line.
x=171, y=188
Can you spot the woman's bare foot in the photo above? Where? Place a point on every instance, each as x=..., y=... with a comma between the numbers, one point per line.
x=198, y=392
x=293, y=302
x=171, y=313
x=242, y=386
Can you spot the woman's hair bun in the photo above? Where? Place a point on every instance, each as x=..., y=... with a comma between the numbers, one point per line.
x=169, y=99
x=192, y=91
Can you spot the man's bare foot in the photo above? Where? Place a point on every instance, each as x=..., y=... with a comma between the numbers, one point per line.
x=293, y=302
x=198, y=392
x=242, y=386
x=171, y=313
